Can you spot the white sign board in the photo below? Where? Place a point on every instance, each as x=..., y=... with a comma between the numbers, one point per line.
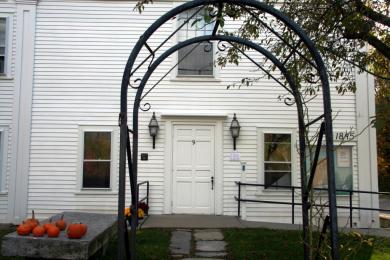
x=343, y=157
x=235, y=156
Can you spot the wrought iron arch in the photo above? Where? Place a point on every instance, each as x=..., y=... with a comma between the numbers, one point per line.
x=125, y=147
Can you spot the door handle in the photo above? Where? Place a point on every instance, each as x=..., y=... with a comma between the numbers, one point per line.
x=212, y=183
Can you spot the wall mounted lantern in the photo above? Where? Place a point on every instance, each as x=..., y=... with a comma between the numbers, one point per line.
x=235, y=130
x=153, y=129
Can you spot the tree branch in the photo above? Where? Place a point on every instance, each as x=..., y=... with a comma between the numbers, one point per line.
x=372, y=14
x=354, y=64
x=380, y=46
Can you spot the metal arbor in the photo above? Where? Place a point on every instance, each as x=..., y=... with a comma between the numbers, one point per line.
x=154, y=61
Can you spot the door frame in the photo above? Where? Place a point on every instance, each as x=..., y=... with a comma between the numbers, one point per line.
x=217, y=122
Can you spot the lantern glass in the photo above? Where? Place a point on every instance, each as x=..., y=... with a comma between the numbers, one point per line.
x=235, y=127
x=235, y=131
x=153, y=126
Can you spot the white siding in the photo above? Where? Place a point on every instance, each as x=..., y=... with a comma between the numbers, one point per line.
x=6, y=106
x=81, y=51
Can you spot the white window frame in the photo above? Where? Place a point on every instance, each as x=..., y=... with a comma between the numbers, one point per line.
x=8, y=44
x=205, y=78
x=260, y=157
x=3, y=157
x=113, y=164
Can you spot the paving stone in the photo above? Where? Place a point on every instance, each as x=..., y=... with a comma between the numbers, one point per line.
x=180, y=242
x=208, y=235
x=211, y=254
x=210, y=246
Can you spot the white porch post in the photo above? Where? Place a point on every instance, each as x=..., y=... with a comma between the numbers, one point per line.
x=21, y=122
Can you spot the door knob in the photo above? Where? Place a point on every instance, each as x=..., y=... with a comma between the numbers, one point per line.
x=212, y=183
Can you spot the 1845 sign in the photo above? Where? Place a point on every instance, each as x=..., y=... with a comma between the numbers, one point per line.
x=347, y=135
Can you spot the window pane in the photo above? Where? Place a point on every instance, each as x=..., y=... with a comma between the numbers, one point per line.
x=3, y=25
x=277, y=178
x=277, y=138
x=343, y=169
x=277, y=152
x=96, y=175
x=97, y=145
x=278, y=166
x=198, y=60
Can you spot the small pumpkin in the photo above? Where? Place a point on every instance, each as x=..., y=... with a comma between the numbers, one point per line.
x=61, y=224
x=76, y=230
x=38, y=231
x=46, y=226
x=53, y=231
x=33, y=222
x=23, y=229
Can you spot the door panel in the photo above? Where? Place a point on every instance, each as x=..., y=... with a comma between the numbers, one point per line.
x=193, y=167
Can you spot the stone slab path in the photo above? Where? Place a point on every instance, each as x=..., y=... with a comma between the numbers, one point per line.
x=197, y=244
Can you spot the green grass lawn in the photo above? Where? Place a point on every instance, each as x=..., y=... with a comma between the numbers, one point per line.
x=249, y=244
x=278, y=244
x=152, y=244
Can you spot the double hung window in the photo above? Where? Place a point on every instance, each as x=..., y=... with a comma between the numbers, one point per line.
x=97, y=159
x=277, y=159
x=195, y=59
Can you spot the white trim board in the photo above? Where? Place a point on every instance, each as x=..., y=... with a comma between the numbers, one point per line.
x=21, y=125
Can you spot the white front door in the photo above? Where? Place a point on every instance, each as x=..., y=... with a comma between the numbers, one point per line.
x=193, y=169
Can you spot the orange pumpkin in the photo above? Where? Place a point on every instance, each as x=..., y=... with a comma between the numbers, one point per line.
x=23, y=229
x=76, y=230
x=33, y=222
x=61, y=224
x=38, y=231
x=46, y=226
x=53, y=231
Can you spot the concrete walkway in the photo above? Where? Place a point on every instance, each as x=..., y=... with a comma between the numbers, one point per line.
x=207, y=221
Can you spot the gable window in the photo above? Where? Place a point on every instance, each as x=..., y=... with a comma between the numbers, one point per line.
x=195, y=59
x=277, y=159
x=96, y=166
x=3, y=45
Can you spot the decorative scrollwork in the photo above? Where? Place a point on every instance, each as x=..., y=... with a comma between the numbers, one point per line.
x=289, y=101
x=137, y=82
x=312, y=78
x=208, y=46
x=222, y=46
x=145, y=107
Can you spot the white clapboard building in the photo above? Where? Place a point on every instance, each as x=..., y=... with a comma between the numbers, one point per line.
x=61, y=68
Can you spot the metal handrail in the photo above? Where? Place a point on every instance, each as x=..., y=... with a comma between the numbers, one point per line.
x=293, y=203
x=147, y=192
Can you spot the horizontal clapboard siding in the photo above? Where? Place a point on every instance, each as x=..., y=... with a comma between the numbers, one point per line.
x=81, y=50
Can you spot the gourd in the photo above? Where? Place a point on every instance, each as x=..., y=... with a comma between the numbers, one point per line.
x=76, y=230
x=141, y=213
x=61, y=224
x=33, y=222
x=53, y=231
x=38, y=231
x=46, y=226
x=23, y=229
